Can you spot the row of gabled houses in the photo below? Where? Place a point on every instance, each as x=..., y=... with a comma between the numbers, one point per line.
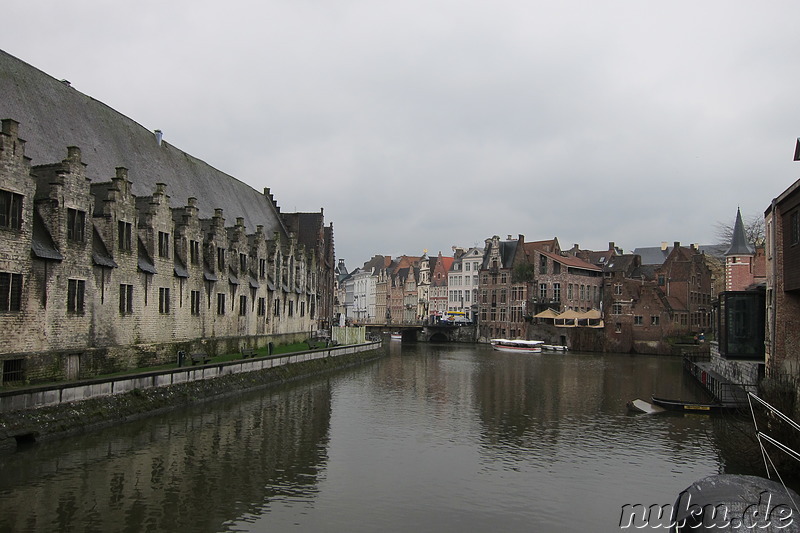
x=117, y=249
x=513, y=288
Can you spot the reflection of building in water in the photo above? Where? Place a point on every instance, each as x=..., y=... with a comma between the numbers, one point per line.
x=188, y=471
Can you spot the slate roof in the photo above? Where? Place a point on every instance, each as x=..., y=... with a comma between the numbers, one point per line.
x=507, y=250
x=42, y=244
x=100, y=254
x=655, y=255
x=739, y=244
x=52, y=115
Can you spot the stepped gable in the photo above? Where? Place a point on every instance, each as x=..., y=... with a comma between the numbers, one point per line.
x=52, y=115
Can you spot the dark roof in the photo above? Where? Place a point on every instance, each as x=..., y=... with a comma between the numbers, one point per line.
x=52, y=115
x=507, y=250
x=145, y=262
x=656, y=255
x=739, y=244
x=180, y=268
x=42, y=244
x=100, y=254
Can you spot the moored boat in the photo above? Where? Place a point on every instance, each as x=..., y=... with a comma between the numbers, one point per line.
x=687, y=407
x=554, y=347
x=395, y=336
x=516, y=345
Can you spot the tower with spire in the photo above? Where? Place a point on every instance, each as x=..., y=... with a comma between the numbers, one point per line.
x=739, y=273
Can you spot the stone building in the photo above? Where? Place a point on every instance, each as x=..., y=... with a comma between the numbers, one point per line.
x=119, y=254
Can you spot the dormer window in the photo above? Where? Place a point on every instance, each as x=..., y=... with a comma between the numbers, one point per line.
x=76, y=221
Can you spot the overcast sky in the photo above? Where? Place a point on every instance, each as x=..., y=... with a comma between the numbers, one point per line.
x=427, y=124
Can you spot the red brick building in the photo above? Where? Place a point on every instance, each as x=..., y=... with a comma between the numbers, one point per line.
x=782, y=342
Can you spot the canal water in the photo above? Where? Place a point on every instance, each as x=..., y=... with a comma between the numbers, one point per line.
x=429, y=438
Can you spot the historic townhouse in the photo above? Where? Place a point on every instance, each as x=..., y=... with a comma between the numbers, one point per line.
x=462, y=281
x=563, y=282
x=637, y=316
x=685, y=280
x=423, y=287
x=439, y=285
x=103, y=267
x=645, y=304
x=505, y=276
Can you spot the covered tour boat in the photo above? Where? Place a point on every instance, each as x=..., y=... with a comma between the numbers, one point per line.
x=517, y=345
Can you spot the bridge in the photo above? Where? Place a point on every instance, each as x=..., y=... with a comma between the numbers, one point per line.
x=427, y=332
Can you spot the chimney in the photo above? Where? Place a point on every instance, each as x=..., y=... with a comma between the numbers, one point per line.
x=159, y=136
x=663, y=246
x=611, y=246
x=677, y=244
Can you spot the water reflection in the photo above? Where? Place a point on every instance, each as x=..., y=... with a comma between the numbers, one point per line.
x=191, y=470
x=429, y=438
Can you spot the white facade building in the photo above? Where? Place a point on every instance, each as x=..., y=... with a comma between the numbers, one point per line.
x=462, y=282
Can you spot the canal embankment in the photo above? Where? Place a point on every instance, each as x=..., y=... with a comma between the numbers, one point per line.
x=59, y=410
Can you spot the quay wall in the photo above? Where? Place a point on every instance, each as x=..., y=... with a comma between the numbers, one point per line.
x=43, y=413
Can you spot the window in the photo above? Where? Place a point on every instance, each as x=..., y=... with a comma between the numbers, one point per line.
x=262, y=306
x=195, y=302
x=262, y=268
x=75, y=291
x=503, y=278
x=542, y=264
x=125, y=299
x=76, y=221
x=556, y=268
x=466, y=266
x=502, y=296
x=277, y=309
x=124, y=236
x=543, y=291
x=557, y=291
x=617, y=328
x=242, y=305
x=220, y=303
x=654, y=320
x=291, y=308
x=194, y=252
x=221, y=259
x=795, y=227
x=302, y=309
x=616, y=309
x=13, y=370
x=618, y=289
x=10, y=292
x=242, y=263
x=569, y=291
x=163, y=244
x=661, y=280
x=10, y=210
x=637, y=320
x=163, y=300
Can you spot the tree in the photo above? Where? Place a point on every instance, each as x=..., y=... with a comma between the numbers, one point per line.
x=753, y=230
x=522, y=273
